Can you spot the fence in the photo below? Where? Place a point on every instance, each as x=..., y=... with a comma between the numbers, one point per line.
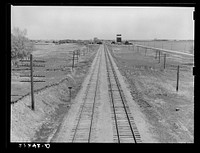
x=165, y=58
x=28, y=65
x=31, y=65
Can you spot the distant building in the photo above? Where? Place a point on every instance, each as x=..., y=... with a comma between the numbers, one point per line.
x=119, y=38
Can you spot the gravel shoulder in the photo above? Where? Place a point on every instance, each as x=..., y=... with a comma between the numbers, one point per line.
x=102, y=122
x=140, y=119
x=161, y=114
x=103, y=131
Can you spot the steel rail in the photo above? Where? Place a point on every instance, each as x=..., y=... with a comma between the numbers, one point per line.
x=82, y=108
x=112, y=69
x=112, y=99
x=95, y=98
x=134, y=132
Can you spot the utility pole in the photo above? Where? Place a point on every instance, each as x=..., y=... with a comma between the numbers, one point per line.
x=32, y=92
x=164, y=60
x=159, y=57
x=177, y=83
x=73, y=61
x=31, y=65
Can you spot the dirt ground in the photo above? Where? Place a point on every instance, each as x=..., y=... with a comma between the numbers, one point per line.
x=153, y=88
x=170, y=113
x=51, y=102
x=58, y=62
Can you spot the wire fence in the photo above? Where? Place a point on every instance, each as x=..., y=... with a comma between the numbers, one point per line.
x=177, y=61
x=36, y=74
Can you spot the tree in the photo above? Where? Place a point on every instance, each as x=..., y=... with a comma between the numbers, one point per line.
x=21, y=46
x=19, y=33
x=126, y=42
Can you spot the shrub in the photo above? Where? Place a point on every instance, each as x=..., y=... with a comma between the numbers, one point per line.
x=21, y=46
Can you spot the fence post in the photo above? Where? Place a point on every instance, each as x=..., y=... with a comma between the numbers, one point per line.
x=177, y=78
x=70, y=94
x=164, y=60
x=159, y=57
x=32, y=93
x=156, y=54
x=73, y=61
x=77, y=56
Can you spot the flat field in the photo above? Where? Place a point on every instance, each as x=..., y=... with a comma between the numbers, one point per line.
x=52, y=98
x=182, y=46
x=58, y=62
x=170, y=113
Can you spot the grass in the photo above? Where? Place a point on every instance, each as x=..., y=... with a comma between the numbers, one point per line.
x=183, y=46
x=57, y=66
x=154, y=90
x=51, y=103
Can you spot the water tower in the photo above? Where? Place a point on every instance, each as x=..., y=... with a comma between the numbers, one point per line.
x=119, y=38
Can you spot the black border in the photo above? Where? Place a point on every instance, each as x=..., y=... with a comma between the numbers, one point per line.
x=59, y=146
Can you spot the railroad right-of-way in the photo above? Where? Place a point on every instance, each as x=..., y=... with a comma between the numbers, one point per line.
x=103, y=110
x=126, y=130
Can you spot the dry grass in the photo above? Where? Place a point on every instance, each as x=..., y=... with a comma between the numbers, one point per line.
x=154, y=89
x=51, y=103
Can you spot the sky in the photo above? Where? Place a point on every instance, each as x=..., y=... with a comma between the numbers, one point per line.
x=82, y=22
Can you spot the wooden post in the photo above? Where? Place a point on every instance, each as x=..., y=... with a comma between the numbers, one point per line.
x=32, y=92
x=164, y=60
x=177, y=78
x=70, y=94
x=159, y=57
x=156, y=54
x=77, y=56
x=73, y=61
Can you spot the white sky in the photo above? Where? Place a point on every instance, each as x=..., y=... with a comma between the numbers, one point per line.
x=81, y=22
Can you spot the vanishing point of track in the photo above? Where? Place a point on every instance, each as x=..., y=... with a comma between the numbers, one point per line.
x=124, y=128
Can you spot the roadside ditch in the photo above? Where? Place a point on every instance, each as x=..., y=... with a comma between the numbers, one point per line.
x=51, y=105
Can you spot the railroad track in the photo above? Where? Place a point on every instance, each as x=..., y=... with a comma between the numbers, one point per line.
x=123, y=122
x=83, y=127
